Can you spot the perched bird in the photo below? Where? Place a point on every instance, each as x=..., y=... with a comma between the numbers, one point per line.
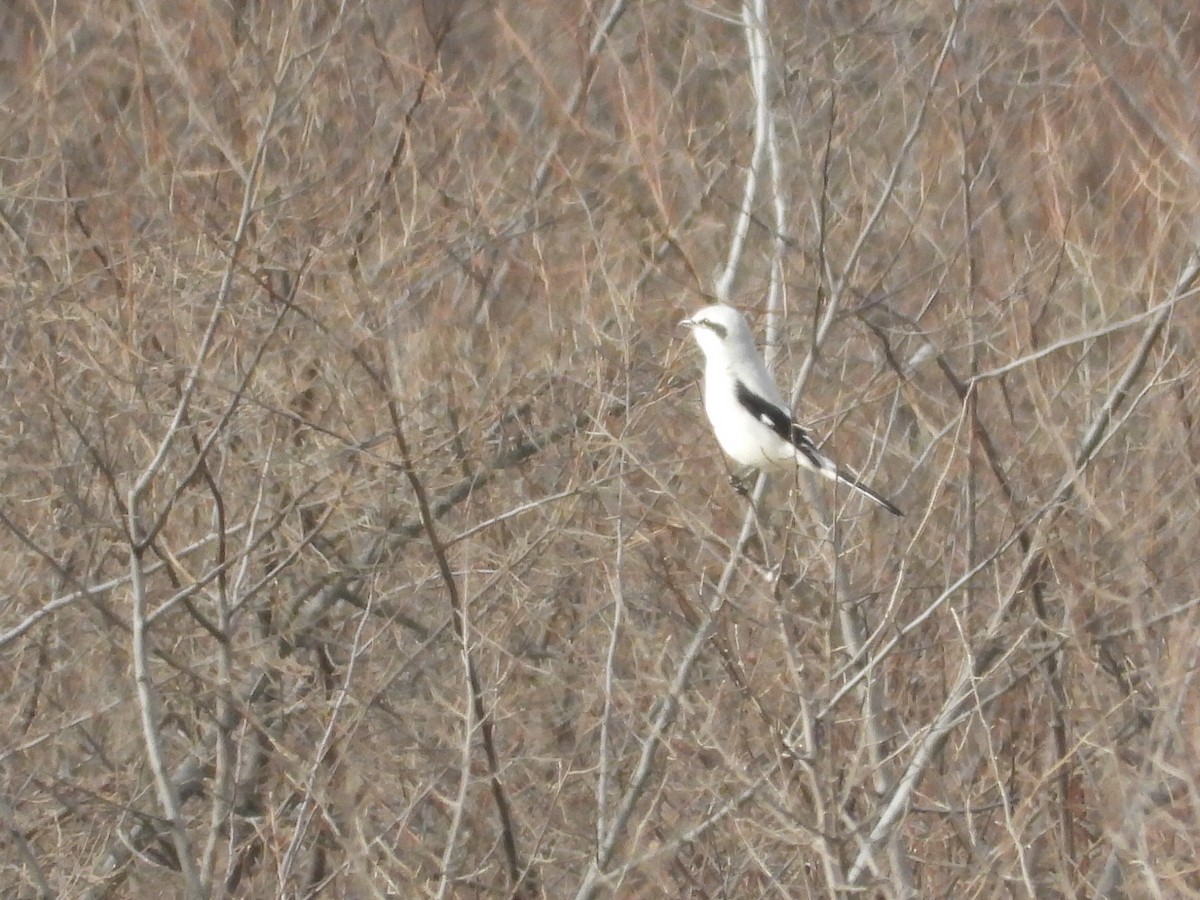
x=748, y=415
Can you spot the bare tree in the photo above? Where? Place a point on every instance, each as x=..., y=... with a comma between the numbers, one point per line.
x=363, y=532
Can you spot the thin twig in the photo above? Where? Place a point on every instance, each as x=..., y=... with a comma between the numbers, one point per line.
x=1093, y=437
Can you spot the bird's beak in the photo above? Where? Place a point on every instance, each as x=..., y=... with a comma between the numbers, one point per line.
x=687, y=323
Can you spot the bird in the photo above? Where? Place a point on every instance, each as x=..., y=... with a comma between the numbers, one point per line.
x=746, y=409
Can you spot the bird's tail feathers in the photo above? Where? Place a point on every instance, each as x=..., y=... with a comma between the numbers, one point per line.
x=850, y=481
x=812, y=458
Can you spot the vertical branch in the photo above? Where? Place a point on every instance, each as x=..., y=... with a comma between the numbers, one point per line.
x=604, y=763
x=753, y=23
x=225, y=782
x=222, y=782
x=1033, y=558
x=323, y=750
x=776, y=289
x=29, y=859
x=667, y=709
x=663, y=718
x=470, y=723
x=142, y=528
x=541, y=175
x=168, y=796
x=1151, y=791
x=616, y=9
x=837, y=289
x=853, y=629
x=520, y=880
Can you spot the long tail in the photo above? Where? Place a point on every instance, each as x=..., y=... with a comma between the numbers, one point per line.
x=810, y=457
x=850, y=481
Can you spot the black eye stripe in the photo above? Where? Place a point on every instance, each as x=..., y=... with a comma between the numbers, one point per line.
x=719, y=330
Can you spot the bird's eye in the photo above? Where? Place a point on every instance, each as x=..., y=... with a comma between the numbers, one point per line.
x=719, y=330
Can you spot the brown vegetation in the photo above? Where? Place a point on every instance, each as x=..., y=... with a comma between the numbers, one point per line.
x=363, y=533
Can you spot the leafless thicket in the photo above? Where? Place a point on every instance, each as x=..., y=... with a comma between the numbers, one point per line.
x=363, y=536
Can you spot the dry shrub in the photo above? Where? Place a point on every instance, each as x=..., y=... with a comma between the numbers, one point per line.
x=343, y=401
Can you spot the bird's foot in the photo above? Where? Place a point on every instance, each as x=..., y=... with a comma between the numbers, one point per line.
x=742, y=482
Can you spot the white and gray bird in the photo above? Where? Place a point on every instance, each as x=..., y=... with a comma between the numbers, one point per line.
x=748, y=415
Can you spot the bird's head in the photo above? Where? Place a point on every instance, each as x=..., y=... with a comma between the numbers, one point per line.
x=717, y=328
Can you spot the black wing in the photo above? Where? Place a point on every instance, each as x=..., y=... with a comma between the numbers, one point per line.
x=781, y=423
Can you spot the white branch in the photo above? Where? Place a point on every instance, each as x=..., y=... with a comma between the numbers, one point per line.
x=952, y=710
x=753, y=21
